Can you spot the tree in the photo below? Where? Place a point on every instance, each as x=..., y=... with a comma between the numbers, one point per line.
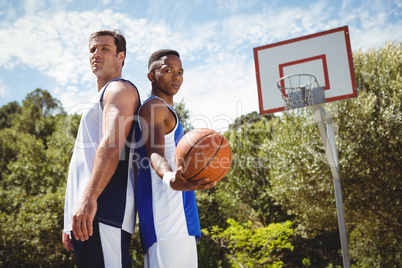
x=248, y=119
x=300, y=176
x=8, y=113
x=42, y=102
x=33, y=171
x=37, y=114
x=373, y=158
x=183, y=114
x=32, y=204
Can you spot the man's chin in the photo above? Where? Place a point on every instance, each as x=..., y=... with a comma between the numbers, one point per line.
x=96, y=71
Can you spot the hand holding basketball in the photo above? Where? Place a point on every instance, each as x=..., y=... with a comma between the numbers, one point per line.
x=180, y=183
x=203, y=153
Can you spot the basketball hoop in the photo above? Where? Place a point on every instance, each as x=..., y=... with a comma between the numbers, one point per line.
x=300, y=90
x=326, y=56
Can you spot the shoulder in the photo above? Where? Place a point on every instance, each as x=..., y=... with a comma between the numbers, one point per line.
x=121, y=91
x=153, y=107
x=121, y=87
x=154, y=104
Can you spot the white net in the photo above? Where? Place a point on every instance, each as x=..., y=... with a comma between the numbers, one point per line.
x=297, y=90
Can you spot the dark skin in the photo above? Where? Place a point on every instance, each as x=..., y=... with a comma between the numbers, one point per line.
x=157, y=119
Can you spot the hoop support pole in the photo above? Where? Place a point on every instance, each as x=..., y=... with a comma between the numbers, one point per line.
x=326, y=128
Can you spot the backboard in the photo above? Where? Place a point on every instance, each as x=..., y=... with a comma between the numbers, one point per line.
x=326, y=55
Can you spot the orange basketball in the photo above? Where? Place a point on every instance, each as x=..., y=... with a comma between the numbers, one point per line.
x=203, y=153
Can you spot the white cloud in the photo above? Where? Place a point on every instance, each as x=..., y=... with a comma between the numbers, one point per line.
x=234, y=6
x=219, y=91
x=217, y=53
x=373, y=24
x=33, y=6
x=46, y=44
x=57, y=46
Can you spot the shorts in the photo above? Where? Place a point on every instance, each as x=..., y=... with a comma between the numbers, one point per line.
x=176, y=252
x=107, y=247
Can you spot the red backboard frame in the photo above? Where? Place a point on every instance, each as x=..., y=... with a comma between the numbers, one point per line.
x=319, y=56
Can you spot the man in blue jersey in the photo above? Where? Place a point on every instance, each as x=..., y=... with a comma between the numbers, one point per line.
x=167, y=209
x=99, y=214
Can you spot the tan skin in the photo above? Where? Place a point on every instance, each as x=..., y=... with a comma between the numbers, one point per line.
x=120, y=104
x=157, y=119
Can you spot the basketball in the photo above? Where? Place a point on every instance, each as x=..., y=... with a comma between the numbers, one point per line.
x=203, y=153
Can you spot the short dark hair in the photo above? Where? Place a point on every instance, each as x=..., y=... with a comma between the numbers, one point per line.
x=119, y=39
x=157, y=55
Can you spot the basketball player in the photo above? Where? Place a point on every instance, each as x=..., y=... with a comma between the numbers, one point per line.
x=99, y=213
x=168, y=215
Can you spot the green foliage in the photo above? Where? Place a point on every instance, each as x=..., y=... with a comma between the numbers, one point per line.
x=300, y=177
x=60, y=148
x=37, y=114
x=32, y=204
x=28, y=168
x=183, y=114
x=7, y=114
x=42, y=103
x=373, y=160
x=8, y=152
x=31, y=235
x=248, y=181
x=137, y=258
x=33, y=169
x=249, y=246
x=248, y=119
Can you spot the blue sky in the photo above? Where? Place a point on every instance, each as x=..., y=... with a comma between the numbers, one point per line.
x=44, y=44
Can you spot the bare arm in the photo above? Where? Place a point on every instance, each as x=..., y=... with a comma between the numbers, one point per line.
x=155, y=120
x=120, y=103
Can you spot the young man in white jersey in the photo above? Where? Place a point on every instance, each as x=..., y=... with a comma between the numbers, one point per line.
x=168, y=216
x=99, y=214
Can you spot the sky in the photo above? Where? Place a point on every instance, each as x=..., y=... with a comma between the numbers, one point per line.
x=44, y=44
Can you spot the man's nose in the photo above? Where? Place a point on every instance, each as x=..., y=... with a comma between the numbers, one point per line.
x=96, y=52
x=176, y=76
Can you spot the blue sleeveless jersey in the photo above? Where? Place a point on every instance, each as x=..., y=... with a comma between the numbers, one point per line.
x=163, y=212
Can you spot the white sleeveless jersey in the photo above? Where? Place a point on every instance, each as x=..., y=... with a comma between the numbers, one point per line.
x=116, y=204
x=163, y=212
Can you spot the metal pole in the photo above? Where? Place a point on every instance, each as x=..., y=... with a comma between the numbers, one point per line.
x=328, y=137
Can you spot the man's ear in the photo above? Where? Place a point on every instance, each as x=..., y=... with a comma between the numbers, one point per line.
x=151, y=77
x=121, y=55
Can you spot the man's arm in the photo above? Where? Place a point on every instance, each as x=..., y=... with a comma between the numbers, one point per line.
x=120, y=103
x=153, y=117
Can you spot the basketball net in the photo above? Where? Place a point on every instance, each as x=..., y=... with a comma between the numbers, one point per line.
x=298, y=90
